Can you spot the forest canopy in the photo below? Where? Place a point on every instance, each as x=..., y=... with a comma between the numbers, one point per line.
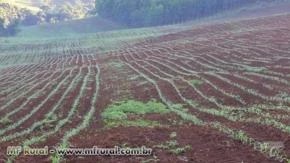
x=161, y=12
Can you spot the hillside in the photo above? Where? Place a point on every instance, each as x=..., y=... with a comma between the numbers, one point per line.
x=69, y=28
x=33, y=12
x=98, y=24
x=23, y=4
x=54, y=14
x=140, y=13
x=261, y=9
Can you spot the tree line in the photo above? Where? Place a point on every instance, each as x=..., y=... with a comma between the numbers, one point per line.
x=161, y=12
x=8, y=30
x=8, y=23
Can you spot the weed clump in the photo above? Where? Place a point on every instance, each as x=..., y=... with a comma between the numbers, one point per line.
x=196, y=83
x=117, y=114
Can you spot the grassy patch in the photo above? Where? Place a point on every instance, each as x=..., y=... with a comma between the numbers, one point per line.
x=255, y=69
x=195, y=82
x=117, y=114
x=5, y=120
